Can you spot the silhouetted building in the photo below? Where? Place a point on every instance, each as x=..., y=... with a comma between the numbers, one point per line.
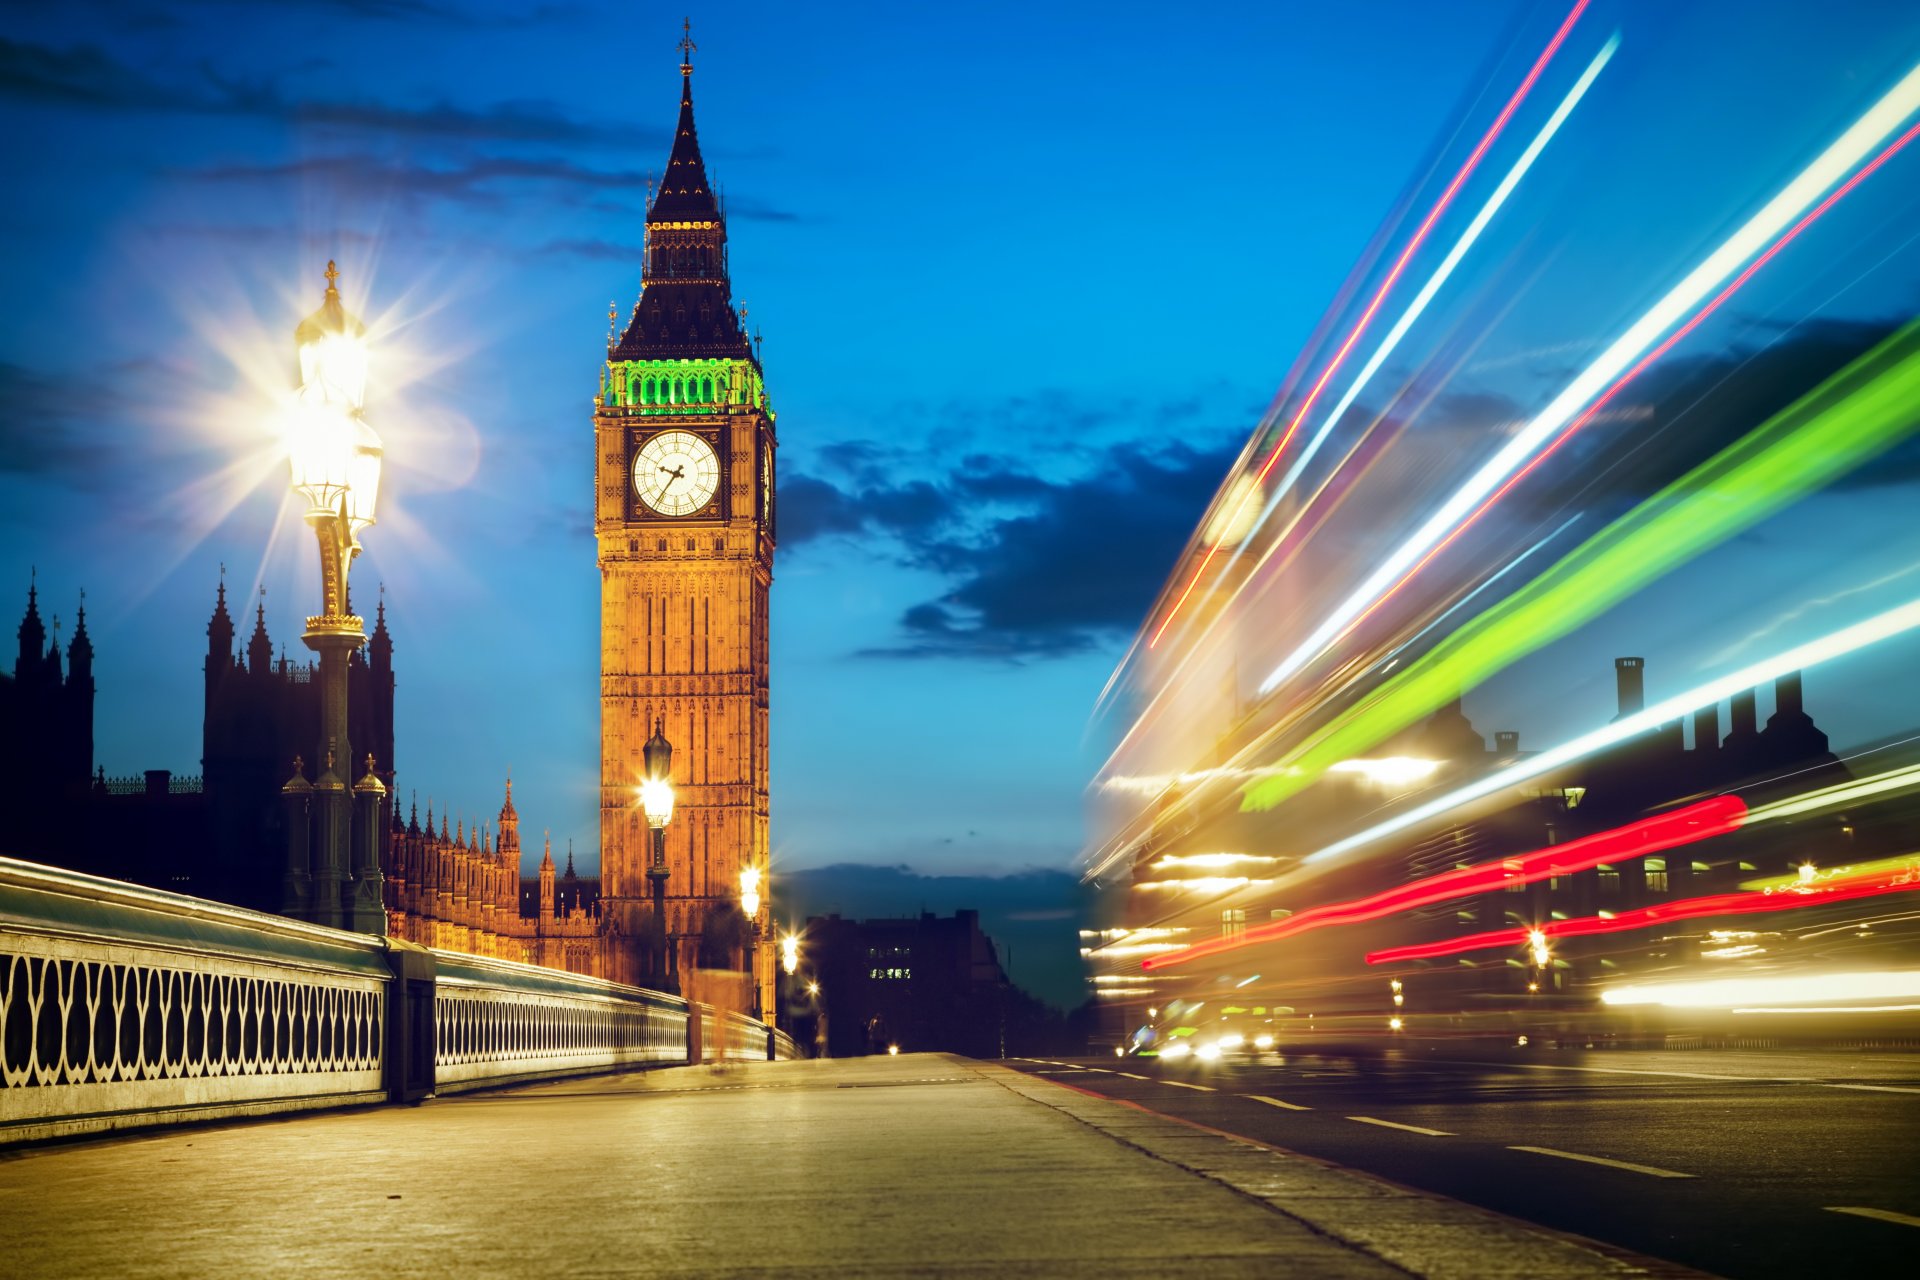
x=46, y=730
x=925, y=983
x=1646, y=775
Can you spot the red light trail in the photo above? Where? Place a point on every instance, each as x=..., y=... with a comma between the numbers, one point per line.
x=1380, y=294
x=1750, y=902
x=1687, y=825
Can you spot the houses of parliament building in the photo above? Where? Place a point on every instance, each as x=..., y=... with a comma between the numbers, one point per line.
x=684, y=535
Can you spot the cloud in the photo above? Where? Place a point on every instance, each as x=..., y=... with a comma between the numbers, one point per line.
x=1040, y=566
x=86, y=77
x=40, y=425
x=1684, y=411
x=482, y=182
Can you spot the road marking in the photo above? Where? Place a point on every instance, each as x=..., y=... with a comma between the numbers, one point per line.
x=1883, y=1215
x=1101, y=1070
x=1628, y=1165
x=1275, y=1102
x=1181, y=1084
x=1129, y=1075
x=1875, y=1088
x=1641, y=1071
x=1410, y=1128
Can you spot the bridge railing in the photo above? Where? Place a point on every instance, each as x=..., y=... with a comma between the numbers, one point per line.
x=122, y=1007
x=497, y=1021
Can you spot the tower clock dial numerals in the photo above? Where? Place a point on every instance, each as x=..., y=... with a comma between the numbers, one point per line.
x=676, y=473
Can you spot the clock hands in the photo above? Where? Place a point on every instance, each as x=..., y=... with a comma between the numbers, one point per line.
x=678, y=473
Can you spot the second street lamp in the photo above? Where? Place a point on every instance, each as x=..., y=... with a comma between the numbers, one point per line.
x=656, y=801
x=334, y=877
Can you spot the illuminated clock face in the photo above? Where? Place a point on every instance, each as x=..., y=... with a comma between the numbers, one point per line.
x=676, y=473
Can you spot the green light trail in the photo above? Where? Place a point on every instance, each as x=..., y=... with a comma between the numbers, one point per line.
x=1847, y=420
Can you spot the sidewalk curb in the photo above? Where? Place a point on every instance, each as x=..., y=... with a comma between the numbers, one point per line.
x=1420, y=1232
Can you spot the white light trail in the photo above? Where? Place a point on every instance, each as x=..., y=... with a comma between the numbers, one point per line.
x=1849, y=149
x=1824, y=989
x=1835, y=644
x=1439, y=277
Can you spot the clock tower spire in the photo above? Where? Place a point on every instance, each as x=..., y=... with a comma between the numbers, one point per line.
x=683, y=521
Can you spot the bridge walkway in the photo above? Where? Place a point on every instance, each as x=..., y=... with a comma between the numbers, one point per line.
x=914, y=1165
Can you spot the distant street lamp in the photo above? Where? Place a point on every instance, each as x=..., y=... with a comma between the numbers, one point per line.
x=789, y=954
x=335, y=459
x=656, y=800
x=750, y=906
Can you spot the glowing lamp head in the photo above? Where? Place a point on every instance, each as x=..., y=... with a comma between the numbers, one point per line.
x=333, y=352
x=320, y=453
x=363, y=476
x=750, y=891
x=789, y=954
x=656, y=801
x=333, y=454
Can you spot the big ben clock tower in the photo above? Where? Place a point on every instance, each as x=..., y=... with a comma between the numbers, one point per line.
x=683, y=516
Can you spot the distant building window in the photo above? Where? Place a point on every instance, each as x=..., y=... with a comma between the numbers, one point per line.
x=1656, y=875
x=1609, y=878
x=1233, y=922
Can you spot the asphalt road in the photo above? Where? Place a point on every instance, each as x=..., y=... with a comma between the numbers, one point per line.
x=1748, y=1165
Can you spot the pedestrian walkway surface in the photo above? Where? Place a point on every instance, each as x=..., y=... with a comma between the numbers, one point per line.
x=901, y=1166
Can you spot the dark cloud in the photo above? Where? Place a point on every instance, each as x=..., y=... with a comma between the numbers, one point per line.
x=1040, y=567
x=480, y=182
x=1684, y=411
x=39, y=425
x=51, y=428
x=86, y=77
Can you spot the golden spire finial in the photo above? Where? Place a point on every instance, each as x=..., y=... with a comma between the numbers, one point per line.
x=333, y=273
x=687, y=47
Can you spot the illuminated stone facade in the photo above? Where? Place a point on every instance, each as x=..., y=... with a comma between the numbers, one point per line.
x=684, y=525
x=463, y=892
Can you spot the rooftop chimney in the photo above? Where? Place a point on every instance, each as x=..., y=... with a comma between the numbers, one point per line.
x=1706, y=728
x=1786, y=695
x=1630, y=675
x=1743, y=719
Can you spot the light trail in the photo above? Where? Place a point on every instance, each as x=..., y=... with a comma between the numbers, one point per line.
x=1835, y=644
x=1848, y=419
x=1689, y=825
x=1440, y=275
x=1720, y=904
x=1840, y=794
x=1640, y=367
x=1393, y=275
x=1868, y=132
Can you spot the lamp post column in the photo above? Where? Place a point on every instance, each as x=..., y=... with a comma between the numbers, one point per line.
x=330, y=638
x=656, y=802
x=335, y=459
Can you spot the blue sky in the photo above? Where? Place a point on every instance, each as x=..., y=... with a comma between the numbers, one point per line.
x=1027, y=276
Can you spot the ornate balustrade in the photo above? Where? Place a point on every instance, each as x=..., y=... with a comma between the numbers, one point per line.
x=122, y=1006
x=497, y=1021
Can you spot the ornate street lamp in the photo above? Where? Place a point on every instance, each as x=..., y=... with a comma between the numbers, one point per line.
x=750, y=907
x=656, y=801
x=334, y=458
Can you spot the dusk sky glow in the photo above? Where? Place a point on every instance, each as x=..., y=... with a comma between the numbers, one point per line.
x=1028, y=278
